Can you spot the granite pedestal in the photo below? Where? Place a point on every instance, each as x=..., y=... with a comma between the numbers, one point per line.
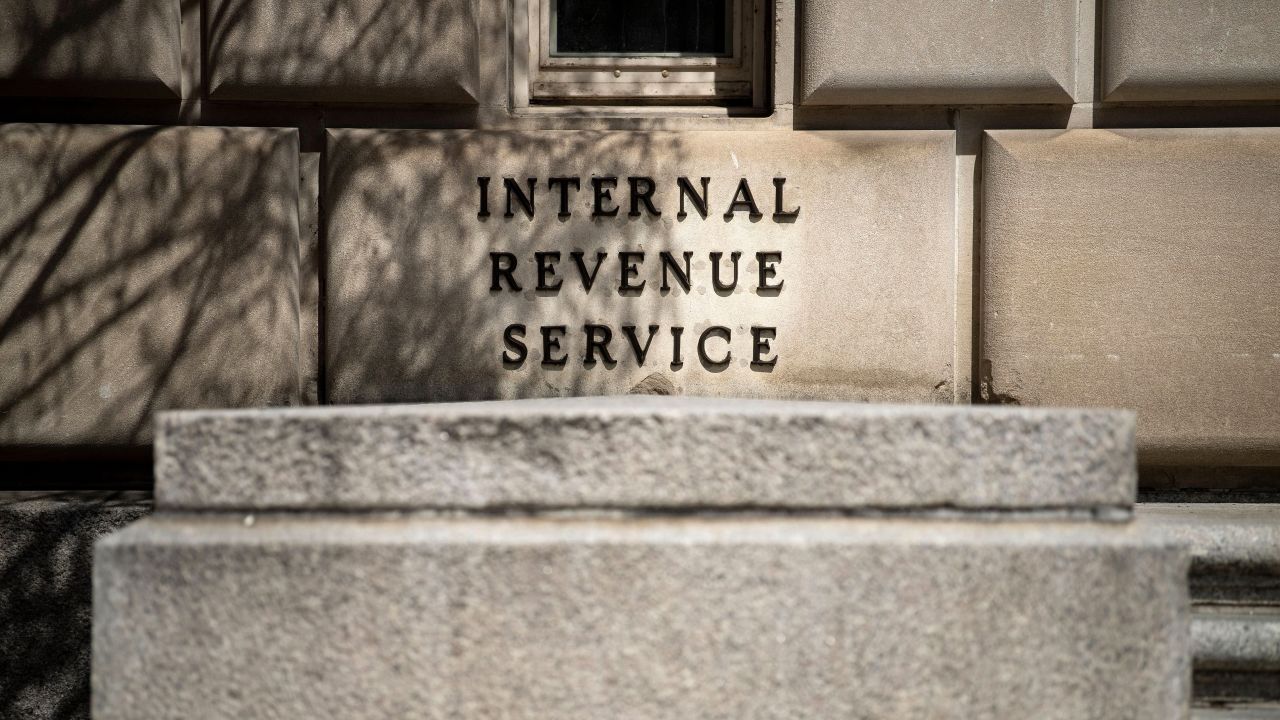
x=642, y=558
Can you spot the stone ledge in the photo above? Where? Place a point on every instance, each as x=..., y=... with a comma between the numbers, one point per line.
x=1240, y=640
x=536, y=618
x=1225, y=539
x=643, y=452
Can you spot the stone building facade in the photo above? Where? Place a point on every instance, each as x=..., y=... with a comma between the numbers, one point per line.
x=235, y=203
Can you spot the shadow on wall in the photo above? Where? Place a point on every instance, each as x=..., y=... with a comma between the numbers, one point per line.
x=347, y=50
x=143, y=269
x=90, y=48
x=46, y=597
x=410, y=314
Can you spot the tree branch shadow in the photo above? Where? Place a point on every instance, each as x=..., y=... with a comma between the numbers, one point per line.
x=144, y=269
x=46, y=597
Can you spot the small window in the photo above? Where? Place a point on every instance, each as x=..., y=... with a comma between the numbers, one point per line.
x=615, y=28
x=611, y=51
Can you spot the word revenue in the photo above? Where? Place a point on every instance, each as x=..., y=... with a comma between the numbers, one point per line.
x=640, y=196
x=551, y=273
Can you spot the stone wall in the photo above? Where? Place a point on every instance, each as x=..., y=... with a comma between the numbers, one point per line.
x=1034, y=202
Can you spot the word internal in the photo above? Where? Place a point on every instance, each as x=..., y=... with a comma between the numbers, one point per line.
x=641, y=188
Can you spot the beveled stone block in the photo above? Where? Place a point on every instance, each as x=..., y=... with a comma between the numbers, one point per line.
x=411, y=51
x=936, y=51
x=90, y=48
x=647, y=452
x=143, y=269
x=1206, y=50
x=698, y=617
x=852, y=298
x=1137, y=269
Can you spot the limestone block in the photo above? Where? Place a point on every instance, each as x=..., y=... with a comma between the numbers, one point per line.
x=1137, y=269
x=645, y=452
x=851, y=299
x=419, y=51
x=143, y=269
x=1207, y=50
x=854, y=52
x=46, y=552
x=643, y=618
x=90, y=48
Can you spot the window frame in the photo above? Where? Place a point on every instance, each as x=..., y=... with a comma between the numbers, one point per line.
x=541, y=78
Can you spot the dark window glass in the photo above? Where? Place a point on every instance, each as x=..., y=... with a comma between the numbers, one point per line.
x=640, y=27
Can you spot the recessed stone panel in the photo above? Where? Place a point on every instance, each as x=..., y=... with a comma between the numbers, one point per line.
x=143, y=269
x=1206, y=50
x=854, y=52
x=1137, y=269
x=843, y=244
x=89, y=48
x=419, y=51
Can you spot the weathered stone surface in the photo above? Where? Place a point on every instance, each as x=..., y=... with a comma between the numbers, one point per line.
x=89, y=48
x=46, y=549
x=1136, y=269
x=866, y=310
x=1224, y=538
x=422, y=51
x=1206, y=50
x=1237, y=640
x=749, y=618
x=646, y=452
x=937, y=51
x=143, y=269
